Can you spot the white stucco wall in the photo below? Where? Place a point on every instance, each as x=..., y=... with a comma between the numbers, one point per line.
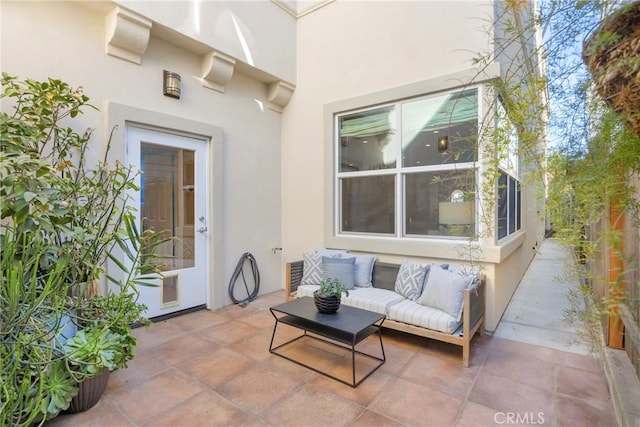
x=253, y=31
x=349, y=49
x=66, y=40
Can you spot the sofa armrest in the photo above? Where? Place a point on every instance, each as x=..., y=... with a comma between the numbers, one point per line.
x=474, y=303
x=293, y=277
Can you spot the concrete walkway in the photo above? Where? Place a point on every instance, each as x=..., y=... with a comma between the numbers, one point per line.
x=536, y=313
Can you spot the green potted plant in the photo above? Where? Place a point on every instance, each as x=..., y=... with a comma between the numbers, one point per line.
x=104, y=341
x=327, y=298
x=35, y=383
x=60, y=220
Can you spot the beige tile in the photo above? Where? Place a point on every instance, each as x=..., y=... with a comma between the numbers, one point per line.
x=588, y=363
x=173, y=351
x=363, y=394
x=474, y=415
x=371, y=419
x=227, y=333
x=256, y=389
x=94, y=417
x=577, y=412
x=156, y=334
x=285, y=333
x=508, y=395
x=214, y=368
x=285, y=367
x=443, y=351
x=443, y=375
x=312, y=406
x=480, y=348
x=260, y=319
x=256, y=346
x=409, y=342
x=527, y=351
x=199, y=319
x=415, y=405
x=235, y=311
x=344, y=367
x=217, y=367
x=398, y=353
x=517, y=364
x=205, y=409
x=141, y=401
x=264, y=302
x=582, y=384
x=141, y=367
x=256, y=421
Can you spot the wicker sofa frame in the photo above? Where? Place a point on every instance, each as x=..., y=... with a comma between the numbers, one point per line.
x=384, y=276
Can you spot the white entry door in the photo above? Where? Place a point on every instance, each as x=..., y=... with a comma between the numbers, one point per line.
x=173, y=201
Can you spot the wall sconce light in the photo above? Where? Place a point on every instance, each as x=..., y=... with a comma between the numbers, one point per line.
x=443, y=143
x=171, y=84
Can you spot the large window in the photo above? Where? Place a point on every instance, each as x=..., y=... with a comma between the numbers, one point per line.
x=408, y=169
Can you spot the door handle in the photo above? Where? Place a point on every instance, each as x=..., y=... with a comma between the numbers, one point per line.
x=202, y=230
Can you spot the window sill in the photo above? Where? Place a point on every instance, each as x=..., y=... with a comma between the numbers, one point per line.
x=436, y=249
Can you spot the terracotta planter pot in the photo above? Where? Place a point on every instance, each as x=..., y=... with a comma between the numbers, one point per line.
x=89, y=393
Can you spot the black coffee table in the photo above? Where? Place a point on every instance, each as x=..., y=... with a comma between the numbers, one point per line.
x=344, y=329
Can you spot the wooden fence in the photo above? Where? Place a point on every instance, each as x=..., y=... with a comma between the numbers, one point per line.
x=615, y=265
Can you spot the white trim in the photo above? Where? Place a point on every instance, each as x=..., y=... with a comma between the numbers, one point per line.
x=438, y=247
x=118, y=116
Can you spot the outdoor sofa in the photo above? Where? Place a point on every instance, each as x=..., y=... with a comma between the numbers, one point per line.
x=443, y=303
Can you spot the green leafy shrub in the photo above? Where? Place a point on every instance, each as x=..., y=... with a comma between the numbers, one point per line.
x=60, y=219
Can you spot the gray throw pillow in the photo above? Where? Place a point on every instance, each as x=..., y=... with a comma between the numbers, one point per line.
x=410, y=280
x=444, y=290
x=311, y=269
x=341, y=269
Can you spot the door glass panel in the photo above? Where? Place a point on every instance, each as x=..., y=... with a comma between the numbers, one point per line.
x=167, y=201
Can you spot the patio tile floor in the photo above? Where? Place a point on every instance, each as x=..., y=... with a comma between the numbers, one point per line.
x=214, y=369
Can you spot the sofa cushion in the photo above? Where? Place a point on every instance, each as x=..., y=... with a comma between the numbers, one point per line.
x=427, y=317
x=306, y=290
x=410, y=280
x=372, y=299
x=340, y=269
x=444, y=290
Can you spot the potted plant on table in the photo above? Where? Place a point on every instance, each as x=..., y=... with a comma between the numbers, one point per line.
x=327, y=298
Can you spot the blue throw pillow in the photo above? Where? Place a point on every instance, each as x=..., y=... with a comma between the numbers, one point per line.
x=341, y=269
x=363, y=270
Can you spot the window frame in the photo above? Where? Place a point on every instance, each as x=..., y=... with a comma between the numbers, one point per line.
x=395, y=250
x=400, y=171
